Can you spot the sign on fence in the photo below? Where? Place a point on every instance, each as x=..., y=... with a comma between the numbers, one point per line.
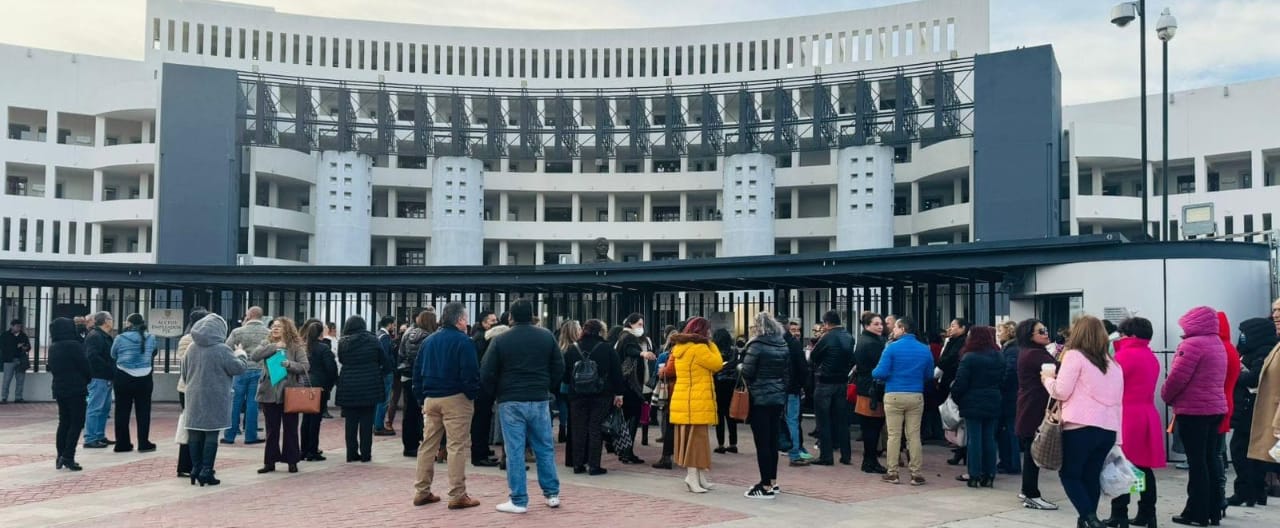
x=165, y=322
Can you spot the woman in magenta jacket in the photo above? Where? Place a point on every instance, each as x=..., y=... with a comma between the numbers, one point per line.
x=1194, y=389
x=1141, y=427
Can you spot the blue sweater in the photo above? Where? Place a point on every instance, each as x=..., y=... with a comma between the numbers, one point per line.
x=905, y=366
x=446, y=365
x=130, y=352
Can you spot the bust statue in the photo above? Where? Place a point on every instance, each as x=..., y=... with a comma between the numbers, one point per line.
x=602, y=250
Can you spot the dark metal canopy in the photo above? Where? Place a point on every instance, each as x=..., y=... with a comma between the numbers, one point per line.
x=978, y=261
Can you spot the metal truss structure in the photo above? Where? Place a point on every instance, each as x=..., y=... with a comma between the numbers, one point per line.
x=923, y=103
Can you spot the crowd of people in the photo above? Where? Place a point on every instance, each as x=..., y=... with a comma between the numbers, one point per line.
x=466, y=388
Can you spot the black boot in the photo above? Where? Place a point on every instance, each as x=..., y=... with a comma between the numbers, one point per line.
x=206, y=477
x=663, y=463
x=1146, y=517
x=1119, y=516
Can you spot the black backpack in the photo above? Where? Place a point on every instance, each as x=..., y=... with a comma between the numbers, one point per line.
x=586, y=377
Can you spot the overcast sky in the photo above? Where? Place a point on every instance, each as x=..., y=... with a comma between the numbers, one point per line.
x=1218, y=41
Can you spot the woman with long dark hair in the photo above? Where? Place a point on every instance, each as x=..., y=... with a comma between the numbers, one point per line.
x=635, y=352
x=866, y=355
x=411, y=425
x=360, y=386
x=282, y=339
x=1090, y=387
x=948, y=365
x=726, y=379
x=322, y=374
x=588, y=411
x=133, y=350
x=1141, y=426
x=977, y=392
x=1032, y=337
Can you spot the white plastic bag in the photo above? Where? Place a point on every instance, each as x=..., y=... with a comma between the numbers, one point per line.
x=958, y=436
x=180, y=436
x=1275, y=451
x=1117, y=474
x=950, y=413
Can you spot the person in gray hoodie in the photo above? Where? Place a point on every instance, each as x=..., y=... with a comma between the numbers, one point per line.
x=208, y=370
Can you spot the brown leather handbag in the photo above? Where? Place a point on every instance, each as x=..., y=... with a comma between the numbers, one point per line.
x=305, y=399
x=740, y=405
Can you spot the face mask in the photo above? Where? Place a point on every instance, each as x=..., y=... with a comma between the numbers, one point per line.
x=637, y=331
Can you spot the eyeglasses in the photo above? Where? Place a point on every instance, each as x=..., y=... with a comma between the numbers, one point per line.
x=1042, y=331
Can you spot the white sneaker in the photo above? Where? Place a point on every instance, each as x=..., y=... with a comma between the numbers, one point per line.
x=553, y=502
x=1038, y=504
x=508, y=507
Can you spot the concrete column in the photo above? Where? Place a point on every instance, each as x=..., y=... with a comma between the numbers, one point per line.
x=647, y=215
x=502, y=253
x=95, y=238
x=915, y=239
x=956, y=237
x=393, y=207
x=539, y=253
x=613, y=250
x=253, y=202
x=795, y=246
x=684, y=250
x=273, y=194
x=575, y=254
x=504, y=203
x=864, y=198
x=142, y=239
x=1096, y=175
x=1073, y=193
x=50, y=181
x=391, y=251
x=272, y=240
x=146, y=132
x=1202, y=177
x=646, y=251
x=540, y=208
x=144, y=186
x=64, y=236
x=575, y=213
x=957, y=186
x=613, y=207
x=51, y=126
x=915, y=197
x=749, y=195
x=795, y=202
x=684, y=207
x=100, y=132
x=1258, y=171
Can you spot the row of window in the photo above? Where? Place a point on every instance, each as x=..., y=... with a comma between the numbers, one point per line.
x=481, y=61
x=25, y=235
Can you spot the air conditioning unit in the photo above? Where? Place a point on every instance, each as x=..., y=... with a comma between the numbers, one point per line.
x=567, y=258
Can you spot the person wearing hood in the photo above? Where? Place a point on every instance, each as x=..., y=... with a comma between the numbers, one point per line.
x=766, y=368
x=587, y=410
x=1141, y=426
x=133, y=350
x=1265, y=426
x=1257, y=338
x=866, y=355
x=184, y=454
x=71, y=373
x=693, y=400
x=1218, y=459
x=209, y=369
x=360, y=385
x=1193, y=388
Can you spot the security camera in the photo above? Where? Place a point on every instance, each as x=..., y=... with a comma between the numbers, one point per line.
x=1124, y=13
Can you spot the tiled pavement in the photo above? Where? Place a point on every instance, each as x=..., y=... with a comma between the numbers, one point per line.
x=133, y=489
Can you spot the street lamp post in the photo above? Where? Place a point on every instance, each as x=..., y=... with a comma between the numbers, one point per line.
x=1121, y=15
x=1166, y=26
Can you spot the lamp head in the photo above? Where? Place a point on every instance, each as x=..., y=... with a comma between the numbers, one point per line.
x=1124, y=13
x=1167, y=26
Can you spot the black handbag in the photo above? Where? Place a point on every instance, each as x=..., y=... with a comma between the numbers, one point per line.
x=876, y=393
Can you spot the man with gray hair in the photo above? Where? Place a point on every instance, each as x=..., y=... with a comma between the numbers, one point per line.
x=446, y=379
x=102, y=369
x=251, y=334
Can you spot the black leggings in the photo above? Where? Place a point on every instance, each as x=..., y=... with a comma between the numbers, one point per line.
x=133, y=394
x=871, y=427
x=411, y=422
x=359, y=432
x=765, y=428
x=310, y=435
x=184, y=455
x=1147, y=501
x=71, y=411
x=587, y=414
x=1030, y=471
x=1250, y=484
x=724, y=395
x=1200, y=438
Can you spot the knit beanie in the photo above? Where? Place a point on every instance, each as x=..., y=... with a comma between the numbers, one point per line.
x=1256, y=333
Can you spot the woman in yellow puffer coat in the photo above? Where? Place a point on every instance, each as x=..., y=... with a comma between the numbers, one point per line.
x=693, y=401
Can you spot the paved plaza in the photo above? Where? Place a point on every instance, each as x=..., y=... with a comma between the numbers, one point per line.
x=136, y=490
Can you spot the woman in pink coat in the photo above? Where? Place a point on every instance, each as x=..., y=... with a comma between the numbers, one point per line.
x=1194, y=389
x=1141, y=427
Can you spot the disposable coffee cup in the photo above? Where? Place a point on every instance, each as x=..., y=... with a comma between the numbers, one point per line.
x=1048, y=368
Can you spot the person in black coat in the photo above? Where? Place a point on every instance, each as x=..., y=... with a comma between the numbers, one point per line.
x=766, y=368
x=634, y=350
x=360, y=385
x=866, y=355
x=832, y=359
x=1006, y=437
x=977, y=392
x=725, y=381
x=948, y=364
x=323, y=374
x=1257, y=338
x=482, y=454
x=71, y=374
x=588, y=411
x=800, y=380
x=97, y=347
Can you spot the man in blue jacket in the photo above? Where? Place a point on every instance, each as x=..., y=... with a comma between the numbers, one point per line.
x=905, y=366
x=446, y=378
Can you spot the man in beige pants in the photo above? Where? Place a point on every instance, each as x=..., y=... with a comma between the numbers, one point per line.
x=905, y=366
x=446, y=377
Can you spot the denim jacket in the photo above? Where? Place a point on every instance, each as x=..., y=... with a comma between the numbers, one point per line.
x=130, y=351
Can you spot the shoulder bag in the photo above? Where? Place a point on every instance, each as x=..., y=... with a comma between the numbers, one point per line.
x=304, y=399
x=1046, y=448
x=740, y=405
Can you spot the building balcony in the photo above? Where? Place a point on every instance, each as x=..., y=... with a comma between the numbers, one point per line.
x=619, y=231
x=1111, y=208
x=823, y=226
x=937, y=219
x=283, y=219
x=381, y=226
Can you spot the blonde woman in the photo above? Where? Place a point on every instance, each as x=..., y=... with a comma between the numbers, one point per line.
x=570, y=332
x=693, y=401
x=282, y=338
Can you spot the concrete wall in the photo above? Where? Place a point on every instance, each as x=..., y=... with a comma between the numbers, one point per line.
x=457, y=215
x=1017, y=136
x=198, y=218
x=864, y=202
x=343, y=203
x=748, y=204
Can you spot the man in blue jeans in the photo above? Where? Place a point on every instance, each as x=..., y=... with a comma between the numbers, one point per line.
x=251, y=335
x=387, y=340
x=795, y=391
x=102, y=369
x=522, y=368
